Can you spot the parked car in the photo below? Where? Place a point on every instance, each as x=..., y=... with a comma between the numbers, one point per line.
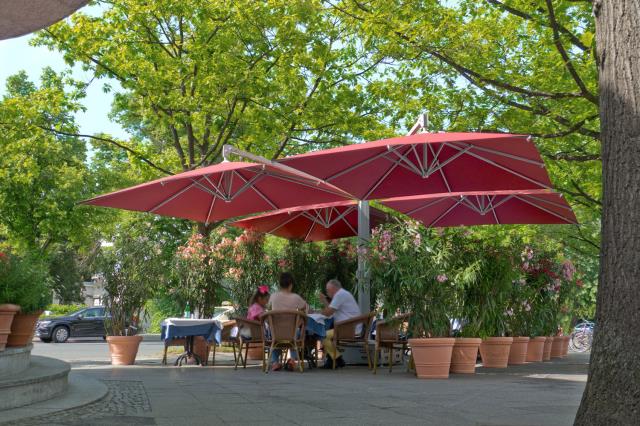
x=88, y=322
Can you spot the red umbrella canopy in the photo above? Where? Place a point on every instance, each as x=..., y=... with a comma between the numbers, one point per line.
x=486, y=208
x=429, y=163
x=318, y=222
x=222, y=191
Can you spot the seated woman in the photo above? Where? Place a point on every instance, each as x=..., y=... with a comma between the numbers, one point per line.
x=286, y=299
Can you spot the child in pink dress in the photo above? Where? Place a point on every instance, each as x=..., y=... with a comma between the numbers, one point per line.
x=258, y=303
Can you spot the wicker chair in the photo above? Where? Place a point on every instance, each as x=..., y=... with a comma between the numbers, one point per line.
x=226, y=338
x=256, y=340
x=284, y=329
x=390, y=334
x=347, y=332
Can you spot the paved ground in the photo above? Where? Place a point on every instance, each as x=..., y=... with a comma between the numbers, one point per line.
x=150, y=394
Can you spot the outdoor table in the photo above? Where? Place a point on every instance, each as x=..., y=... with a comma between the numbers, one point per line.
x=173, y=328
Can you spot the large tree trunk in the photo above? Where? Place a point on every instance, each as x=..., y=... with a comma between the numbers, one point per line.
x=612, y=395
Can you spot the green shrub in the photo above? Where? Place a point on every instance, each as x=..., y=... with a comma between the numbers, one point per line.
x=24, y=281
x=63, y=310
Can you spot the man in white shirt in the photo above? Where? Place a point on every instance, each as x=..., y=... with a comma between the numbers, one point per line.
x=343, y=306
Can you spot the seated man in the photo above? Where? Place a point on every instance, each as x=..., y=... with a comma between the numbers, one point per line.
x=343, y=306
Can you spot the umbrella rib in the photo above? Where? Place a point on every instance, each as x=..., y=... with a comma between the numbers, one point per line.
x=307, y=184
x=379, y=182
x=309, y=232
x=173, y=197
x=355, y=166
x=260, y=194
x=504, y=154
x=440, y=168
x=341, y=216
x=417, y=209
x=248, y=183
x=493, y=163
x=404, y=159
x=418, y=160
x=553, y=203
x=445, y=213
x=216, y=188
x=344, y=218
x=559, y=216
x=493, y=210
x=294, y=217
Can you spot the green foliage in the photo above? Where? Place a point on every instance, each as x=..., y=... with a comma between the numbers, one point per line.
x=160, y=308
x=24, y=281
x=486, y=296
x=303, y=260
x=133, y=269
x=250, y=267
x=63, y=310
x=413, y=271
x=339, y=260
x=66, y=276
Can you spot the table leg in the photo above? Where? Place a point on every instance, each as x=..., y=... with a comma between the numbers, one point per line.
x=188, y=353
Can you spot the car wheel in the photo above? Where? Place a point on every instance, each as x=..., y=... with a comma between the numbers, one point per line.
x=43, y=340
x=60, y=334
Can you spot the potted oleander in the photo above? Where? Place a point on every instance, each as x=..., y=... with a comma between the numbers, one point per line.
x=486, y=300
x=132, y=268
x=8, y=309
x=414, y=270
x=31, y=283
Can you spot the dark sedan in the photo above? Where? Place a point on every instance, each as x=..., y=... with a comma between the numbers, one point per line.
x=87, y=322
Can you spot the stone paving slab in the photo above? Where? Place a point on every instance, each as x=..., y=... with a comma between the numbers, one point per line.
x=147, y=394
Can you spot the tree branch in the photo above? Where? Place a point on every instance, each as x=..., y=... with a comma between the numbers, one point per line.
x=112, y=142
x=574, y=40
x=565, y=57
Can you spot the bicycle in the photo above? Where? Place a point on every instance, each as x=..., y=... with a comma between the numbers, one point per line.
x=581, y=338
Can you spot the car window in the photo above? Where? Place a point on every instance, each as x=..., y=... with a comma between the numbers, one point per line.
x=92, y=313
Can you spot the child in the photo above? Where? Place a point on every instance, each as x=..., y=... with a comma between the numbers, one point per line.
x=258, y=303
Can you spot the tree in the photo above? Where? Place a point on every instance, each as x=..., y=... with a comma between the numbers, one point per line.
x=612, y=394
x=42, y=175
x=66, y=275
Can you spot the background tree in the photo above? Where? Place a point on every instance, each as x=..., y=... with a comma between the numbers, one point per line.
x=612, y=395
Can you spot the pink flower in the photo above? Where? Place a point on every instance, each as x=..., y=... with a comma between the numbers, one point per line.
x=526, y=305
x=509, y=312
x=442, y=278
x=568, y=270
x=417, y=240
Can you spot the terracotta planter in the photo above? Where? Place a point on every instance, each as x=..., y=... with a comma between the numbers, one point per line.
x=432, y=356
x=546, y=354
x=464, y=355
x=7, y=312
x=201, y=348
x=495, y=351
x=535, y=349
x=556, y=347
x=565, y=345
x=123, y=349
x=518, y=352
x=22, y=329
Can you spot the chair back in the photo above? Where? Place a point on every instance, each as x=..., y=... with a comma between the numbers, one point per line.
x=391, y=329
x=284, y=325
x=254, y=327
x=227, y=328
x=354, y=328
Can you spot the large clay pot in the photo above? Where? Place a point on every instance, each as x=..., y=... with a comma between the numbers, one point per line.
x=7, y=312
x=432, y=356
x=565, y=345
x=535, y=349
x=464, y=355
x=548, y=342
x=518, y=352
x=22, y=329
x=201, y=348
x=123, y=349
x=495, y=351
x=556, y=347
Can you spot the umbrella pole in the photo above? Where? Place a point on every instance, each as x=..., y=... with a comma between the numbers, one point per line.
x=364, y=234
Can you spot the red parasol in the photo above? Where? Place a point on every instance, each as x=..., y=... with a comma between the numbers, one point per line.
x=429, y=163
x=222, y=191
x=486, y=208
x=318, y=222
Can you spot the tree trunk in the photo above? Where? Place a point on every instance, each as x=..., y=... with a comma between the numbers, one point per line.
x=612, y=395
